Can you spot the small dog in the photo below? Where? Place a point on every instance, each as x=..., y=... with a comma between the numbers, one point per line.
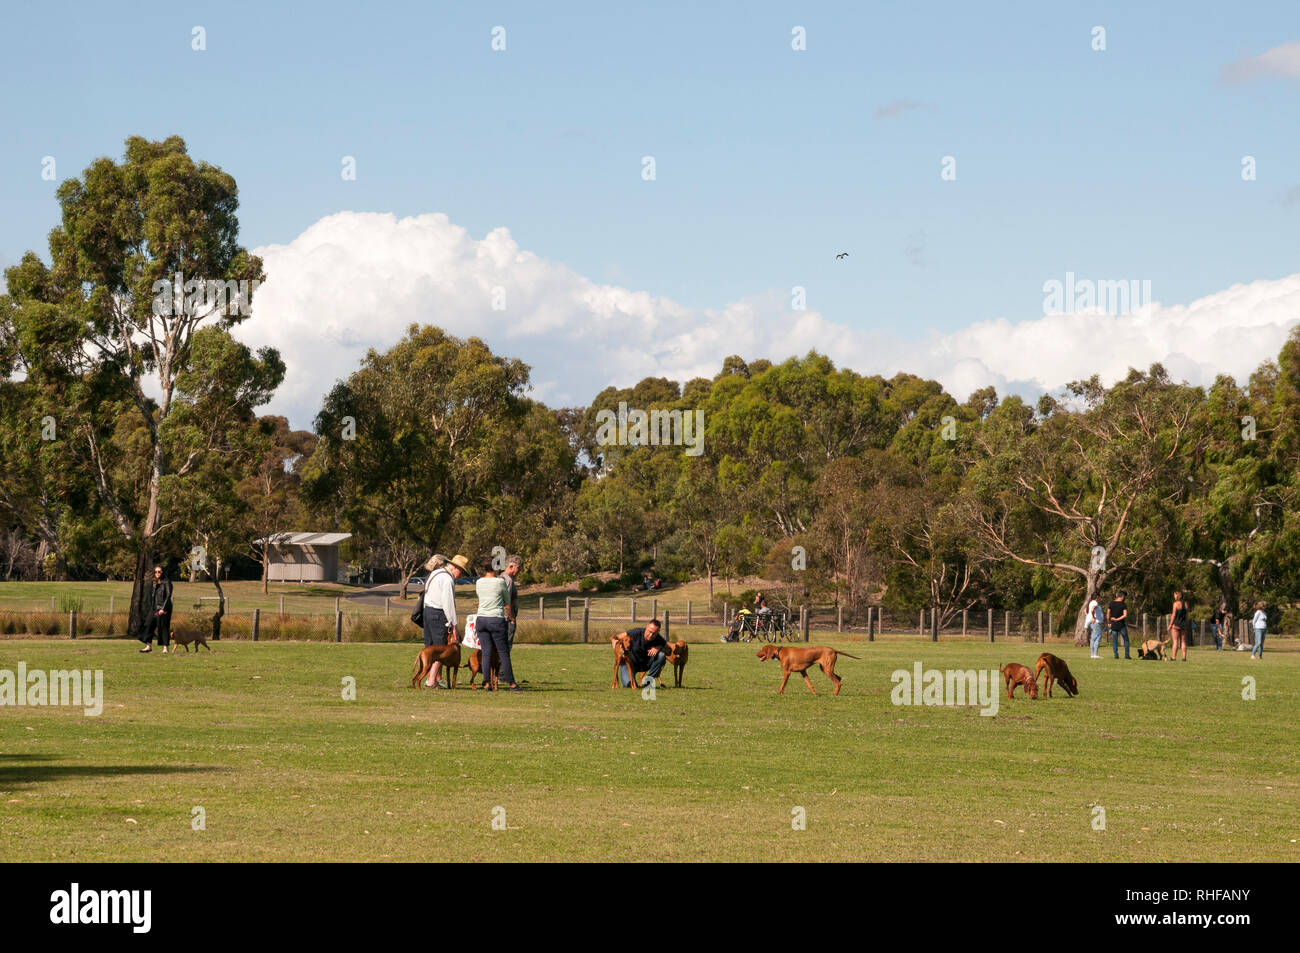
x=476, y=668
x=623, y=659
x=448, y=655
x=1058, y=672
x=1017, y=674
x=1153, y=649
x=801, y=658
x=185, y=637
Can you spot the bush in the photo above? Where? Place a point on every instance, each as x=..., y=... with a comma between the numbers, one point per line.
x=633, y=577
x=589, y=584
x=557, y=579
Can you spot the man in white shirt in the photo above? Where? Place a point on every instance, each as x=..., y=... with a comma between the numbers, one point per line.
x=440, y=623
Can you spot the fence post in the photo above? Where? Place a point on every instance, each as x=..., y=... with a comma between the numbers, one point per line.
x=541, y=607
x=72, y=623
x=387, y=608
x=990, y=625
x=568, y=609
x=110, y=605
x=934, y=623
x=964, y=613
x=654, y=608
x=803, y=622
x=839, y=618
x=52, y=609
x=688, y=611
x=870, y=611
x=667, y=624
x=586, y=618
x=1144, y=627
x=920, y=626
x=725, y=620
x=338, y=626
x=1040, y=625
x=1006, y=631
x=1051, y=629
x=336, y=604
x=282, y=605
x=257, y=623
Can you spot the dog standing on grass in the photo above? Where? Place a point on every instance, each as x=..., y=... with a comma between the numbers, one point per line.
x=186, y=637
x=1057, y=672
x=677, y=654
x=1017, y=674
x=798, y=658
x=448, y=655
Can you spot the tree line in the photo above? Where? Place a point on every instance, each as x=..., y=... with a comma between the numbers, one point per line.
x=129, y=433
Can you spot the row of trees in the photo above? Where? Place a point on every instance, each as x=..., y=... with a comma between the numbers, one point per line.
x=129, y=433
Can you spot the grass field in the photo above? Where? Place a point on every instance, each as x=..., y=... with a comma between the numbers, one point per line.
x=259, y=736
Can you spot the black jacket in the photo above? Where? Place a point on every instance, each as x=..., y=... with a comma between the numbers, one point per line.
x=162, y=595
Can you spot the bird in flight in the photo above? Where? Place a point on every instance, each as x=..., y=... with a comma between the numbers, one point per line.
x=842, y=254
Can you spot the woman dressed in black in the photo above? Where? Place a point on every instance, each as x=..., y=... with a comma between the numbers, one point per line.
x=160, y=615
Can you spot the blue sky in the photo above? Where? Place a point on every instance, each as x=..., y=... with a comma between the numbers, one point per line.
x=1124, y=163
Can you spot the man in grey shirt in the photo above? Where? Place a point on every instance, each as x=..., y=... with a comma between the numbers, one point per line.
x=513, y=565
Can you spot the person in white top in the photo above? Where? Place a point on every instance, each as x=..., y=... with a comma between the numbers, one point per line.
x=1096, y=621
x=440, y=608
x=1260, y=623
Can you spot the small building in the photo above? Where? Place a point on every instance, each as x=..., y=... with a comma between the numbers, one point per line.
x=303, y=557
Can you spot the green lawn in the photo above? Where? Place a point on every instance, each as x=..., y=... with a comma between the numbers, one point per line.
x=259, y=736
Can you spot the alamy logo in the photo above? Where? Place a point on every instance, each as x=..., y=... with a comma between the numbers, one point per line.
x=103, y=906
x=1084, y=294
x=38, y=688
x=947, y=687
x=198, y=296
x=655, y=428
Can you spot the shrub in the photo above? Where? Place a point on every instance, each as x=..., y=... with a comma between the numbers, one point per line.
x=589, y=584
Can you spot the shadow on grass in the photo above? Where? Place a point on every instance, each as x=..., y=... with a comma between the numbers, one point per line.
x=20, y=774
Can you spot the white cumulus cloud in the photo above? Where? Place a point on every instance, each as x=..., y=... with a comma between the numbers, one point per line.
x=355, y=280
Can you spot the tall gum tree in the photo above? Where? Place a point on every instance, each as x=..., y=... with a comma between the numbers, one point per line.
x=146, y=253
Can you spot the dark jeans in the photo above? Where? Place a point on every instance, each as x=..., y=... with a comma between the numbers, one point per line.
x=1115, y=636
x=651, y=667
x=492, y=636
x=435, y=626
x=160, y=625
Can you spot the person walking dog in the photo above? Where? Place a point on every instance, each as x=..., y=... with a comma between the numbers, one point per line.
x=440, y=623
x=160, y=615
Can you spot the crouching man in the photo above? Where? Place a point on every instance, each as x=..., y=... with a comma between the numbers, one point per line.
x=649, y=651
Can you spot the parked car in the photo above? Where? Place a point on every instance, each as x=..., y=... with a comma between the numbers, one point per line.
x=415, y=582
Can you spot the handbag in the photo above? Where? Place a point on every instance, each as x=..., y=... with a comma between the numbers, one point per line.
x=470, y=639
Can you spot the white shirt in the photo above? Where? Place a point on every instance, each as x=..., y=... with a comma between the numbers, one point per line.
x=440, y=593
x=1260, y=620
x=1092, y=612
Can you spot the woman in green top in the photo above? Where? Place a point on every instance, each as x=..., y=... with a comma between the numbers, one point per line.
x=490, y=624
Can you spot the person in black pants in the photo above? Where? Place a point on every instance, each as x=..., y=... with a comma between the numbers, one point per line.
x=1118, y=613
x=160, y=615
x=649, y=651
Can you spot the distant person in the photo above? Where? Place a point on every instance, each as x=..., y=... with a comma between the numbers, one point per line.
x=490, y=624
x=649, y=651
x=513, y=565
x=160, y=613
x=1216, y=621
x=1117, y=615
x=1179, y=625
x=440, y=623
x=760, y=605
x=1096, y=622
x=1260, y=624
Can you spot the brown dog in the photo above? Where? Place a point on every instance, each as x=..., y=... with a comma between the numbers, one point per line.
x=623, y=659
x=1153, y=649
x=801, y=658
x=1057, y=671
x=185, y=637
x=1017, y=674
x=677, y=654
x=448, y=655
x=476, y=668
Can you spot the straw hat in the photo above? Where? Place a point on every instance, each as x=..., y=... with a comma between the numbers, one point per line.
x=462, y=562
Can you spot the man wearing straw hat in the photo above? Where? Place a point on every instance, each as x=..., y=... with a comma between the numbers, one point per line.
x=440, y=606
